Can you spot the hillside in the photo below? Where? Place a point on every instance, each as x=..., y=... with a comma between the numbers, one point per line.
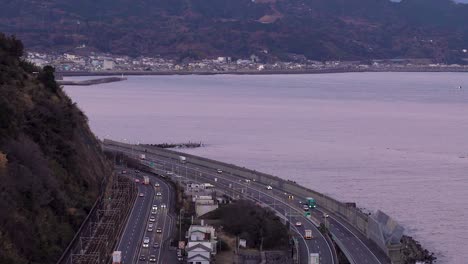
x=51, y=166
x=274, y=29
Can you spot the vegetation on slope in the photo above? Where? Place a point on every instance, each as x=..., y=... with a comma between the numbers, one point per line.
x=318, y=29
x=259, y=226
x=51, y=166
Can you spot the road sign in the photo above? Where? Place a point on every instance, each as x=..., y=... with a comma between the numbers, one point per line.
x=242, y=243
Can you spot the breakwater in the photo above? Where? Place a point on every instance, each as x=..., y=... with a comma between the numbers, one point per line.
x=92, y=81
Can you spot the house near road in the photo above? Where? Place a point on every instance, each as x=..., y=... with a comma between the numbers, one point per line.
x=201, y=244
x=198, y=253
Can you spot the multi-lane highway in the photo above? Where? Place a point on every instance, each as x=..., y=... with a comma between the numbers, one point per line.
x=318, y=244
x=356, y=245
x=145, y=238
x=358, y=248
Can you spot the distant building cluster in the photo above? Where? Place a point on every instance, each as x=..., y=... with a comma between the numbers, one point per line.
x=99, y=62
x=111, y=63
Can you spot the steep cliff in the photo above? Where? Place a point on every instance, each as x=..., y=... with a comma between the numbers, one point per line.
x=51, y=165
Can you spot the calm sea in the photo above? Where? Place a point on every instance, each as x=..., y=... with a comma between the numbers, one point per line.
x=391, y=141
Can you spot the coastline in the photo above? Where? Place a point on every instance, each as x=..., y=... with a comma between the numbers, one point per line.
x=264, y=72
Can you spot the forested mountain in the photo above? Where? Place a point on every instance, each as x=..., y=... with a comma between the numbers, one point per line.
x=51, y=166
x=319, y=29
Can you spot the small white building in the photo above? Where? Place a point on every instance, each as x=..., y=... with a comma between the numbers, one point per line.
x=204, y=234
x=198, y=253
x=108, y=65
x=205, y=204
x=69, y=56
x=199, y=189
x=254, y=58
x=221, y=60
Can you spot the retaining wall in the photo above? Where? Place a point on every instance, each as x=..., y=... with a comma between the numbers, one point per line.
x=352, y=215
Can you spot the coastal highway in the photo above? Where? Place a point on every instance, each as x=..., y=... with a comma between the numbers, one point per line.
x=239, y=189
x=318, y=244
x=358, y=248
x=137, y=227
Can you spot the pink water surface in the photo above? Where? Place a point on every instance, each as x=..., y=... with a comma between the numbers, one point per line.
x=391, y=141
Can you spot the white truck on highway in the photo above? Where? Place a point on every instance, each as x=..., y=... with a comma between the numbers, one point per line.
x=146, y=180
x=142, y=156
x=308, y=234
x=182, y=159
x=117, y=257
x=314, y=258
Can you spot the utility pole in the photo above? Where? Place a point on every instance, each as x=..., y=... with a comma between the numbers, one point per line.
x=180, y=224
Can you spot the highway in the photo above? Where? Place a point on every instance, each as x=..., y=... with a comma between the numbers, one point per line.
x=357, y=246
x=286, y=208
x=157, y=194
x=319, y=244
x=361, y=252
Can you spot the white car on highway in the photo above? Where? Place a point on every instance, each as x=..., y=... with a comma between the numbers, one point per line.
x=156, y=185
x=269, y=187
x=298, y=223
x=158, y=194
x=163, y=205
x=142, y=194
x=219, y=171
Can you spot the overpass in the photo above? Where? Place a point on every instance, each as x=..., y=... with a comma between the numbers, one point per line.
x=361, y=237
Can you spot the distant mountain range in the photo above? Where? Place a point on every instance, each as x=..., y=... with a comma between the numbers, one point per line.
x=272, y=29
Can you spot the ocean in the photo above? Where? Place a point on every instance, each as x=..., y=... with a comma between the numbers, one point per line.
x=391, y=141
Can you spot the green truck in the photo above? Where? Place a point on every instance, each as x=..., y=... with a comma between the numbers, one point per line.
x=311, y=202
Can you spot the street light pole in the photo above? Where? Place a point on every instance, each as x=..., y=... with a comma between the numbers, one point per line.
x=180, y=224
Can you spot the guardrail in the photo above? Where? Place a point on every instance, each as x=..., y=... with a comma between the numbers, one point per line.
x=344, y=250
x=282, y=218
x=352, y=215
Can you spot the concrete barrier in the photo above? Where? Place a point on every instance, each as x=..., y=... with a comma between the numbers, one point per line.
x=352, y=215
